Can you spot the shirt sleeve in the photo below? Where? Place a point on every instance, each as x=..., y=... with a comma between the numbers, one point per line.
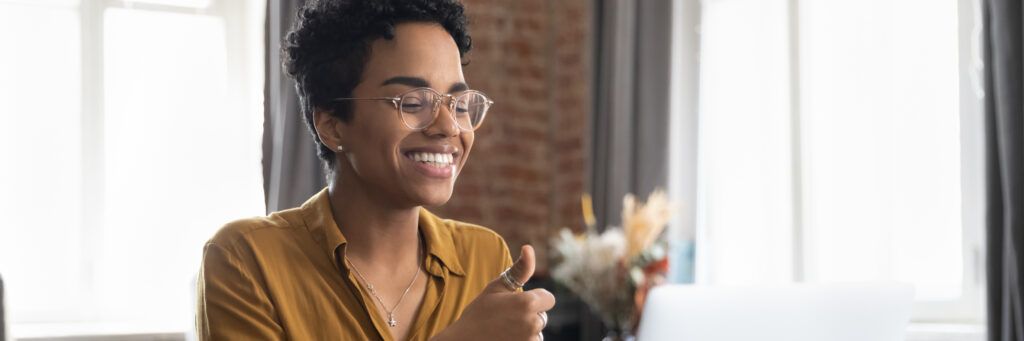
x=231, y=303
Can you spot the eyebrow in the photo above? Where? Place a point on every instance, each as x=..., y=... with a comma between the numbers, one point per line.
x=418, y=82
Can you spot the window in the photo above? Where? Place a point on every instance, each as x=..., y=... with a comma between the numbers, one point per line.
x=133, y=129
x=842, y=141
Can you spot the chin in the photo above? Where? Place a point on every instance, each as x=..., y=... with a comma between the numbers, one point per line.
x=433, y=198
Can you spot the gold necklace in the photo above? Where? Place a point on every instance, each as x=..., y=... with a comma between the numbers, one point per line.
x=391, y=313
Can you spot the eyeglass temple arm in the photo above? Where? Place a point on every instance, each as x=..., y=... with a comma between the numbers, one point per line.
x=394, y=100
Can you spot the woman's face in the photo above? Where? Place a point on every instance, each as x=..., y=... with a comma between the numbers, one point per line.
x=381, y=151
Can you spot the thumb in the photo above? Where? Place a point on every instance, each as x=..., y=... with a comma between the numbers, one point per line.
x=521, y=270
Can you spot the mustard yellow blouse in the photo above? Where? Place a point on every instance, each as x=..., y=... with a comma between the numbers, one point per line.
x=283, y=277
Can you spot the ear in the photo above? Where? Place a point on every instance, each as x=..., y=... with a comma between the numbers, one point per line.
x=328, y=129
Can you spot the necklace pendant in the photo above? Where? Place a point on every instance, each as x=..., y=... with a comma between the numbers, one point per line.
x=391, y=320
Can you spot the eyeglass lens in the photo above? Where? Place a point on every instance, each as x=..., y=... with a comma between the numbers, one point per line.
x=419, y=109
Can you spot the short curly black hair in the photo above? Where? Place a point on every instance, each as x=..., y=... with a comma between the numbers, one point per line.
x=326, y=50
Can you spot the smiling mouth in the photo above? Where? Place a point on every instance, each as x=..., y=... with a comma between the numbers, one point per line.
x=439, y=160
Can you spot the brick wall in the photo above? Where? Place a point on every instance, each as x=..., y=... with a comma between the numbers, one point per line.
x=527, y=169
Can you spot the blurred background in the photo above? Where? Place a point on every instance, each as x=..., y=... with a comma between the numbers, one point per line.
x=804, y=141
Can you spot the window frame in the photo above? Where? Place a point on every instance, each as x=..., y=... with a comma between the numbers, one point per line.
x=969, y=308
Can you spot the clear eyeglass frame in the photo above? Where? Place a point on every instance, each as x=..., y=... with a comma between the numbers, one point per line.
x=401, y=100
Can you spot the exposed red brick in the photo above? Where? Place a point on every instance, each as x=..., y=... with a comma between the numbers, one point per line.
x=526, y=172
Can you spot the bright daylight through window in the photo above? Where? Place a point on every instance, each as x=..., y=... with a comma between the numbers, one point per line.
x=101, y=227
x=841, y=142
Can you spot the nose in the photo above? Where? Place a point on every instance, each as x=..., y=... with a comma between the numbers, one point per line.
x=444, y=124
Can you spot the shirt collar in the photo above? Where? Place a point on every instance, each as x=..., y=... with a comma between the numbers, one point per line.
x=440, y=243
x=319, y=220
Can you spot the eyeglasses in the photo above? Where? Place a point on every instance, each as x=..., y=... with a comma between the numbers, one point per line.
x=418, y=108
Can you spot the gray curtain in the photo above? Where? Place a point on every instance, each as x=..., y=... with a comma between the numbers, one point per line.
x=291, y=169
x=629, y=124
x=1004, y=114
x=629, y=150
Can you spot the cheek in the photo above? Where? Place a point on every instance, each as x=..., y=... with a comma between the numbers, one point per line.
x=386, y=149
x=467, y=145
x=378, y=149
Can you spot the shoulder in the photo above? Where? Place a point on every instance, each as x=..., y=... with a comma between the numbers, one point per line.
x=479, y=249
x=466, y=233
x=244, y=234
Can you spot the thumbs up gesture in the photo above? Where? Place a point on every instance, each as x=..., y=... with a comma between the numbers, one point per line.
x=502, y=313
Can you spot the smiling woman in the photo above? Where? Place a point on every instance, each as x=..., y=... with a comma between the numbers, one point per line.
x=362, y=259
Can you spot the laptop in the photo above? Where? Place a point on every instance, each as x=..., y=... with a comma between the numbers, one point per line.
x=800, y=312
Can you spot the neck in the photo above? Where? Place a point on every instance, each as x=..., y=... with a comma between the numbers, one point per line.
x=377, y=232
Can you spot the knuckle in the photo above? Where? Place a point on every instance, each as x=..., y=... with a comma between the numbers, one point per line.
x=548, y=300
x=542, y=300
x=544, y=297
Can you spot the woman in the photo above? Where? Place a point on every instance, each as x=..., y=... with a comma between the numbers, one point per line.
x=383, y=94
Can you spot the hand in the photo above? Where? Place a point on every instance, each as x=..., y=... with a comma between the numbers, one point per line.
x=501, y=314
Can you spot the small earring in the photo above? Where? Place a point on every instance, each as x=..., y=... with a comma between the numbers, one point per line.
x=340, y=148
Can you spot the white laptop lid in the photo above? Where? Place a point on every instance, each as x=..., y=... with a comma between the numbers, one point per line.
x=847, y=312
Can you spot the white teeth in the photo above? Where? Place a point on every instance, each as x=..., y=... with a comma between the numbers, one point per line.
x=436, y=158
